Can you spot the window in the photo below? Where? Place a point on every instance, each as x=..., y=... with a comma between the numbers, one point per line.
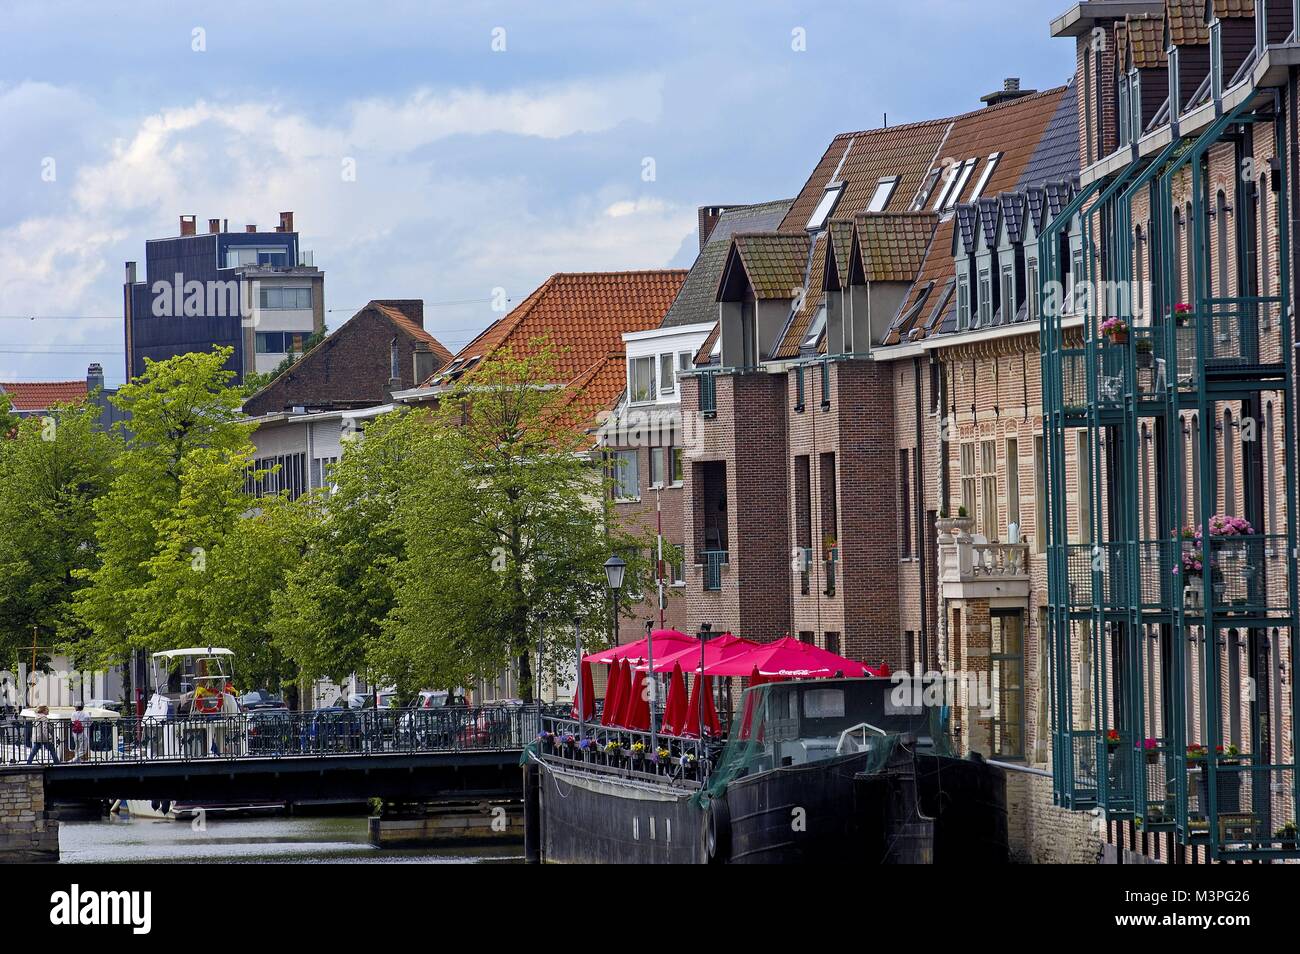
x=641, y=379
x=1229, y=465
x=685, y=361
x=986, y=300
x=277, y=298
x=1135, y=107
x=667, y=376
x=394, y=361
x=1216, y=58
x=990, y=166
x=1040, y=496
x=927, y=189
x=1125, y=123
x=966, y=169
x=1194, y=504
x=833, y=642
x=815, y=327
x=626, y=480
x=320, y=470
x=1221, y=227
x=271, y=342
x=989, y=489
x=1008, y=310
x=963, y=302
x=657, y=455
x=676, y=465
x=1271, y=522
x=884, y=192
x=798, y=388
x=824, y=207
x=1007, y=728
x=905, y=492
x=936, y=386
x=1175, y=106
x=951, y=171
x=1031, y=288
x=676, y=568
x=1013, y=484
x=968, y=479
x=1085, y=488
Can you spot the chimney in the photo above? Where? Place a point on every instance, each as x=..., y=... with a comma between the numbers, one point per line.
x=130, y=273
x=708, y=218
x=188, y=224
x=214, y=226
x=1010, y=90
x=286, y=221
x=94, y=378
x=424, y=363
x=250, y=228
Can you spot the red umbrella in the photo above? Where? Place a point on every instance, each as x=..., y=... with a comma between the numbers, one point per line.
x=715, y=651
x=710, y=712
x=789, y=658
x=588, y=696
x=614, y=694
x=675, y=709
x=666, y=642
x=755, y=679
x=636, y=707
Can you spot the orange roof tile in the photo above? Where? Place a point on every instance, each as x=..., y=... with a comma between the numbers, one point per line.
x=1186, y=20
x=583, y=315
x=1234, y=8
x=28, y=396
x=893, y=244
x=1146, y=35
x=774, y=262
x=415, y=331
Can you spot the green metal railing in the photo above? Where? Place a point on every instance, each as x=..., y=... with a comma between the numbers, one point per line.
x=714, y=561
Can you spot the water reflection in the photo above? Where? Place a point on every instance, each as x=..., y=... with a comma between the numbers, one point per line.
x=119, y=840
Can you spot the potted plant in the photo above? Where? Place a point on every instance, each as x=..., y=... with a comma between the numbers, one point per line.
x=1151, y=747
x=1286, y=833
x=1182, y=313
x=1223, y=527
x=636, y=751
x=1145, y=352
x=1116, y=329
x=1192, y=565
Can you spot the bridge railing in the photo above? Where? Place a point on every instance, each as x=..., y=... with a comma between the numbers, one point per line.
x=272, y=733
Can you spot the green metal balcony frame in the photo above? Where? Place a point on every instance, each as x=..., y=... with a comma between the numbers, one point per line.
x=1119, y=585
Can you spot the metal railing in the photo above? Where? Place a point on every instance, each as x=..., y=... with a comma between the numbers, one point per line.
x=628, y=752
x=272, y=733
x=709, y=394
x=714, y=561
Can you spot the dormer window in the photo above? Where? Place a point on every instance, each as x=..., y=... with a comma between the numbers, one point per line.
x=963, y=302
x=990, y=166
x=884, y=192
x=815, y=329
x=641, y=379
x=824, y=208
x=985, y=310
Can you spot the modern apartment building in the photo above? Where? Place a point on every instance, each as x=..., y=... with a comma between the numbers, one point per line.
x=256, y=292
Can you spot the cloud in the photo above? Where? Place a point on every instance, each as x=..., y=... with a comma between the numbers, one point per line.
x=416, y=219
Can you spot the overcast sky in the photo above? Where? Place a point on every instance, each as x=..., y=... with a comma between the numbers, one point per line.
x=476, y=167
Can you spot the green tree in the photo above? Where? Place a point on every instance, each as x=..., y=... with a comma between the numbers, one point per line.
x=178, y=407
x=336, y=597
x=507, y=525
x=52, y=470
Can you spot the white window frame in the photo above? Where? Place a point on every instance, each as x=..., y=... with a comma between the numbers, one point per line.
x=990, y=167
x=652, y=372
x=830, y=198
x=885, y=187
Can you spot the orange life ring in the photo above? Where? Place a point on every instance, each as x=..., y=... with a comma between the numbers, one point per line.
x=208, y=703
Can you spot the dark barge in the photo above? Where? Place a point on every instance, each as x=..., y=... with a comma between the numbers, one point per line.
x=814, y=771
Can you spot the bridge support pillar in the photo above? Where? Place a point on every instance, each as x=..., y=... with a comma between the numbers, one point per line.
x=27, y=832
x=404, y=825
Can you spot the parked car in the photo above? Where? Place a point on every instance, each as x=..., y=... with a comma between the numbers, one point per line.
x=260, y=699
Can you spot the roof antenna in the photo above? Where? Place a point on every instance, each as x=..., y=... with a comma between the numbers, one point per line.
x=886, y=120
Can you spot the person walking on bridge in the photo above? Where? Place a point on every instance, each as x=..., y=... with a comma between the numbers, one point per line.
x=42, y=735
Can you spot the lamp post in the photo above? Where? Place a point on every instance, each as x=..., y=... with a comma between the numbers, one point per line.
x=614, y=570
x=577, y=639
x=706, y=630
x=650, y=682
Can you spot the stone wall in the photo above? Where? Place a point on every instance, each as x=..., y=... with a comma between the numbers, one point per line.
x=26, y=832
x=1042, y=833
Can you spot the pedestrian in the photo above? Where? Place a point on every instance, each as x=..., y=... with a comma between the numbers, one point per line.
x=80, y=734
x=42, y=736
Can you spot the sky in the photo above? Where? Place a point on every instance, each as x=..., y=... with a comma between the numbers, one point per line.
x=440, y=150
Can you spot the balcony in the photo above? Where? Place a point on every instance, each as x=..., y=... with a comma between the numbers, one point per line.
x=713, y=561
x=971, y=568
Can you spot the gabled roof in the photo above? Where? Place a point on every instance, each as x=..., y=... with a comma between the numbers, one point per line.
x=1234, y=8
x=989, y=209
x=775, y=263
x=892, y=245
x=1146, y=39
x=1013, y=215
x=582, y=314
x=696, y=302
x=28, y=396
x=1186, y=20
x=966, y=228
x=1036, y=203
x=840, y=233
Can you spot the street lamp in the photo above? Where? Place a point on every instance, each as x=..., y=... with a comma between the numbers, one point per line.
x=706, y=631
x=615, y=568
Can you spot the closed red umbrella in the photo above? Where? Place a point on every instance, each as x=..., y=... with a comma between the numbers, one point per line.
x=711, y=722
x=614, y=694
x=755, y=679
x=675, y=708
x=636, y=709
x=588, y=695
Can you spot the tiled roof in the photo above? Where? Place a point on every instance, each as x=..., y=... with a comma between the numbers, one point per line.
x=1036, y=199
x=1121, y=43
x=28, y=396
x=1015, y=129
x=893, y=244
x=584, y=315
x=967, y=221
x=775, y=263
x=988, y=213
x=1013, y=206
x=697, y=300
x=1057, y=153
x=841, y=238
x=596, y=389
x=1187, y=25
x=414, y=331
x=1234, y=8
x=1146, y=35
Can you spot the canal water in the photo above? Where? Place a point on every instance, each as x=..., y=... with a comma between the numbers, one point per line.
x=120, y=840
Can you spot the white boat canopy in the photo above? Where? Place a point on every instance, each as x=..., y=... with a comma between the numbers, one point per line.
x=181, y=653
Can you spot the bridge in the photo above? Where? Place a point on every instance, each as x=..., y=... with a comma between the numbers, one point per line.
x=458, y=755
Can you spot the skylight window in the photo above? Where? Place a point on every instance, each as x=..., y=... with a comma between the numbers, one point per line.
x=990, y=167
x=815, y=329
x=884, y=192
x=953, y=183
x=820, y=214
x=926, y=190
x=966, y=169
